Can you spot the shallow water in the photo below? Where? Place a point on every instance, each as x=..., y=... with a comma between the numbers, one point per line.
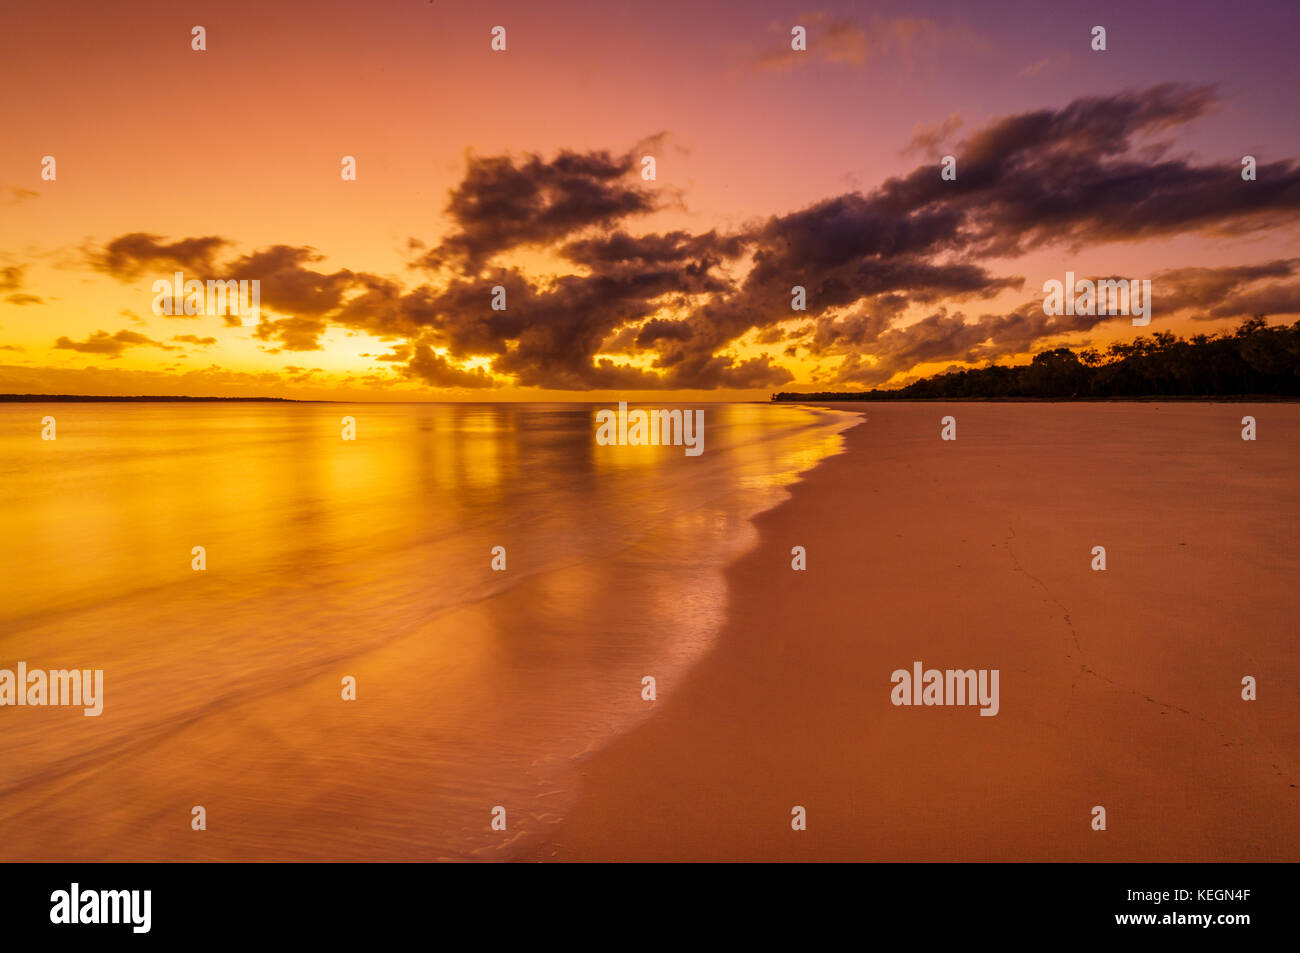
x=328, y=558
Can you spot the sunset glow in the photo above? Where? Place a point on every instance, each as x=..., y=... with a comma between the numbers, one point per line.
x=523, y=169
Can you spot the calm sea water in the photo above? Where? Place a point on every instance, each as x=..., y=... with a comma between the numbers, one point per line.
x=370, y=559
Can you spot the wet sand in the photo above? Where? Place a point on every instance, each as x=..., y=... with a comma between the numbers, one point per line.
x=1119, y=688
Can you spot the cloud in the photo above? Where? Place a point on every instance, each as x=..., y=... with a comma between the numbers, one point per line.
x=1230, y=291
x=946, y=337
x=101, y=342
x=293, y=334
x=1052, y=63
x=195, y=339
x=11, y=278
x=504, y=203
x=126, y=257
x=842, y=41
x=1224, y=293
x=926, y=138
x=106, y=379
x=889, y=273
x=287, y=285
x=14, y=195
x=436, y=370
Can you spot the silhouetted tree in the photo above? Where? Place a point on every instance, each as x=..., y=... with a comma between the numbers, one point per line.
x=1253, y=359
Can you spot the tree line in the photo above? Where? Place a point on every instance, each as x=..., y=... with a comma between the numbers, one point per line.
x=1255, y=359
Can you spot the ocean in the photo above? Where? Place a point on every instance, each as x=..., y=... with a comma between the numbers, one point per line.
x=477, y=690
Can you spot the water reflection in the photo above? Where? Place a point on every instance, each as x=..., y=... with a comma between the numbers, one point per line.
x=369, y=558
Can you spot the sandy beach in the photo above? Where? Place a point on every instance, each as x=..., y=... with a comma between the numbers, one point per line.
x=1119, y=689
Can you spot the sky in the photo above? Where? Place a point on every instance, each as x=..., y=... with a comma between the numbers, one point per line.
x=523, y=169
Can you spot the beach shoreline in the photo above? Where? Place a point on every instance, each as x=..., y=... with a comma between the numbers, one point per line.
x=1119, y=688
x=354, y=671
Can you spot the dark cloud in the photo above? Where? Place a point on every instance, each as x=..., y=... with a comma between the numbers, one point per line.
x=435, y=369
x=620, y=249
x=288, y=286
x=292, y=334
x=11, y=279
x=950, y=337
x=1084, y=174
x=101, y=342
x=1231, y=291
x=1076, y=176
x=1275, y=299
x=504, y=203
x=127, y=257
x=1071, y=177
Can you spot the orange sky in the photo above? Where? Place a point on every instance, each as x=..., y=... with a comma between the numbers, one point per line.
x=243, y=141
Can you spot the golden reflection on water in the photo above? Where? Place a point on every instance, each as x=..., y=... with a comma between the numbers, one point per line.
x=369, y=558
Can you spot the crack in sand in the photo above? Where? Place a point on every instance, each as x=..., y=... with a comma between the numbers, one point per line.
x=1086, y=669
x=1041, y=585
x=1083, y=666
x=1118, y=687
